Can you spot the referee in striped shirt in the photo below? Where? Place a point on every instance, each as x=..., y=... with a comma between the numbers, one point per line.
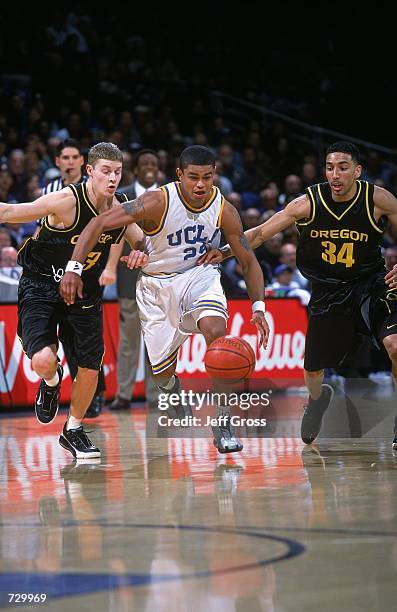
x=70, y=161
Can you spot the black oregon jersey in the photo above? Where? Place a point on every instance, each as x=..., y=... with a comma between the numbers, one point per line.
x=47, y=255
x=340, y=241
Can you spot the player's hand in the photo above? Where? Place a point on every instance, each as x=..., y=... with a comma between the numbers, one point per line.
x=136, y=259
x=212, y=256
x=391, y=277
x=259, y=319
x=71, y=284
x=107, y=278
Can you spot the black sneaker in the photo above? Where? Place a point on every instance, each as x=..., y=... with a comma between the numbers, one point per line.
x=394, y=443
x=120, y=403
x=47, y=400
x=313, y=415
x=95, y=408
x=224, y=436
x=77, y=442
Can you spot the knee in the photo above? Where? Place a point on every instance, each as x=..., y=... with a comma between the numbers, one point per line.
x=212, y=329
x=390, y=344
x=44, y=360
x=88, y=374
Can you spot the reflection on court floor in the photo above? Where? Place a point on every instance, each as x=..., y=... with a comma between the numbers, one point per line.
x=161, y=524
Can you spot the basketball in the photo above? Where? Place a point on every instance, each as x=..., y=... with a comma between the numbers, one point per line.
x=229, y=357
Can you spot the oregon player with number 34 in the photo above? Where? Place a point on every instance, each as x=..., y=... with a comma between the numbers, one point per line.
x=41, y=310
x=341, y=223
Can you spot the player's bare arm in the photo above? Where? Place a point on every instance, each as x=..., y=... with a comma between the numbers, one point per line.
x=60, y=204
x=109, y=275
x=386, y=206
x=232, y=227
x=148, y=207
x=135, y=238
x=296, y=210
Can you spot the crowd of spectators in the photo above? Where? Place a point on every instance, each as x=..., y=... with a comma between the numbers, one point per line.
x=137, y=97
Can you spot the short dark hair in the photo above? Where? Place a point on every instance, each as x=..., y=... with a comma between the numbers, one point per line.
x=68, y=142
x=342, y=146
x=196, y=155
x=104, y=150
x=145, y=152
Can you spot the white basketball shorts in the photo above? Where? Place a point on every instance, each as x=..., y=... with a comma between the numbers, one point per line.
x=170, y=308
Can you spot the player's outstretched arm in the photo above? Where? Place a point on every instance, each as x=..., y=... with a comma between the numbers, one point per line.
x=147, y=206
x=57, y=202
x=253, y=276
x=294, y=211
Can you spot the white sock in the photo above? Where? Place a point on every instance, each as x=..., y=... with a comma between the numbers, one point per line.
x=52, y=382
x=220, y=410
x=73, y=423
x=168, y=386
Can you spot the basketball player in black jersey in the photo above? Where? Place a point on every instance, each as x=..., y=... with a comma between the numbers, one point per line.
x=40, y=307
x=341, y=223
x=69, y=160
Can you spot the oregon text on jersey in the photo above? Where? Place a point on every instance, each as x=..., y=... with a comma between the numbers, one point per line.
x=340, y=240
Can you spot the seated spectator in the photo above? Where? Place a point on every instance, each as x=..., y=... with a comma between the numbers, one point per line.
x=284, y=286
x=292, y=189
x=266, y=215
x=8, y=262
x=375, y=167
x=235, y=199
x=268, y=255
x=233, y=279
x=5, y=237
x=250, y=218
x=225, y=184
x=16, y=166
x=231, y=161
x=6, y=185
x=9, y=274
x=291, y=235
x=309, y=174
x=288, y=257
x=269, y=197
x=20, y=231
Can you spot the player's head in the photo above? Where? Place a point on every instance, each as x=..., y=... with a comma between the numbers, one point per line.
x=146, y=167
x=342, y=167
x=69, y=159
x=196, y=172
x=104, y=167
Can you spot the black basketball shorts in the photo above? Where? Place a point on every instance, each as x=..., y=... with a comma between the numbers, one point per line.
x=332, y=336
x=44, y=319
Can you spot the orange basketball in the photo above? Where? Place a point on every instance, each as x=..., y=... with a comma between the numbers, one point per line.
x=229, y=357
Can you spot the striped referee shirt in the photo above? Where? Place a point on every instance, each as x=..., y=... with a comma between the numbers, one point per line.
x=56, y=184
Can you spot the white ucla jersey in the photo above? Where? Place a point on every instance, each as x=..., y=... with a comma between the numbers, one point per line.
x=184, y=232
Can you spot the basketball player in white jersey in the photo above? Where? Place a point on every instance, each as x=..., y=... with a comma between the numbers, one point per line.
x=175, y=296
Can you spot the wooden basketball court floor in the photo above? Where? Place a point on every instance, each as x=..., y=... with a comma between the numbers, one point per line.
x=169, y=524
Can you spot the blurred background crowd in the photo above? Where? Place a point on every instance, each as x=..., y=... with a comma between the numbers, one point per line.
x=81, y=78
